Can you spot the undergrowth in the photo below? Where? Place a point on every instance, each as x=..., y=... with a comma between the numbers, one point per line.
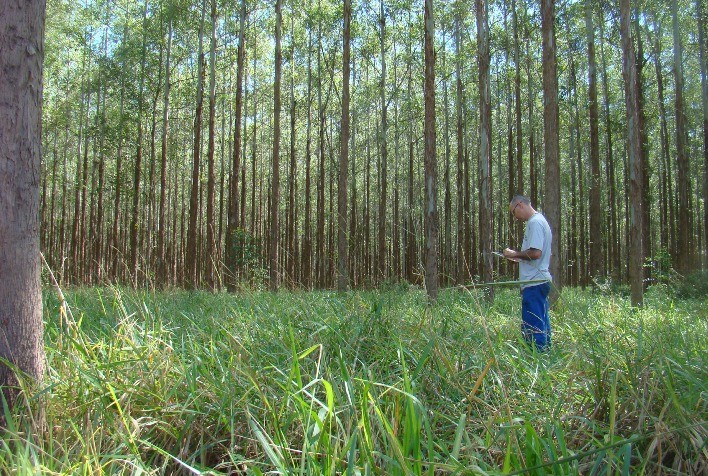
x=313, y=383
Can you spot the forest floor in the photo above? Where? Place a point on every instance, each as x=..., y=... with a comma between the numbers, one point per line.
x=365, y=383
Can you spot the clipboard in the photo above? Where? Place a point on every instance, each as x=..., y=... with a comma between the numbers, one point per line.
x=501, y=255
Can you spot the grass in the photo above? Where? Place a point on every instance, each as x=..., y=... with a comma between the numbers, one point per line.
x=313, y=383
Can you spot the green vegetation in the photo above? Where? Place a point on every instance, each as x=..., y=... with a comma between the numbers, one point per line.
x=366, y=383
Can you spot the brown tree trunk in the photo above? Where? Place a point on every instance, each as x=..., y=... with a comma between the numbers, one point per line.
x=613, y=248
x=192, y=271
x=381, y=255
x=551, y=202
x=702, y=17
x=162, y=218
x=596, y=235
x=134, y=221
x=291, y=254
x=462, y=267
x=684, y=264
x=431, y=177
x=342, y=248
x=629, y=72
x=275, y=187
x=211, y=256
x=485, y=147
x=307, y=225
x=22, y=345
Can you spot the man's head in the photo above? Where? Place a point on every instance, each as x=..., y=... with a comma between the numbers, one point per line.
x=520, y=207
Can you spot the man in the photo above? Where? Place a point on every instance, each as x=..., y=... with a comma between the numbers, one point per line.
x=534, y=260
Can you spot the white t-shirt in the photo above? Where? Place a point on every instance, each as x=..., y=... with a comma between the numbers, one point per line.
x=538, y=236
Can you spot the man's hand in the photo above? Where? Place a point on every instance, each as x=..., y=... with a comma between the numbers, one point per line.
x=511, y=255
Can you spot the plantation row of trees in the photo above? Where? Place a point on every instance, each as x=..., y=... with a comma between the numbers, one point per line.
x=205, y=143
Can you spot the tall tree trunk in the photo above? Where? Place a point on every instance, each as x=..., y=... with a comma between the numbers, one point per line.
x=381, y=261
x=431, y=177
x=134, y=222
x=629, y=72
x=462, y=266
x=702, y=17
x=613, y=248
x=275, y=188
x=485, y=146
x=307, y=233
x=291, y=255
x=596, y=235
x=342, y=248
x=551, y=202
x=162, y=218
x=517, y=104
x=683, y=184
x=644, y=156
x=447, y=237
x=211, y=256
x=192, y=260
x=22, y=345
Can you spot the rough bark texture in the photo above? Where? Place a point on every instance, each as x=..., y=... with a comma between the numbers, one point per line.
x=629, y=72
x=21, y=327
x=211, y=253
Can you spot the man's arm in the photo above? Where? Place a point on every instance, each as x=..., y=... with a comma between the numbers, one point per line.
x=526, y=255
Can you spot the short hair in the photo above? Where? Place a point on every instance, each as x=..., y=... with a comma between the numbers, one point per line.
x=520, y=198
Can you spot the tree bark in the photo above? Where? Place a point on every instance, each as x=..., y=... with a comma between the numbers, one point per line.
x=431, y=187
x=342, y=248
x=211, y=256
x=192, y=272
x=596, y=235
x=22, y=345
x=551, y=202
x=629, y=73
x=485, y=146
x=162, y=218
x=684, y=264
x=275, y=187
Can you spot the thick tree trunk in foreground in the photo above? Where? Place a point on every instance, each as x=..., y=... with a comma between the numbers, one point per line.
x=22, y=43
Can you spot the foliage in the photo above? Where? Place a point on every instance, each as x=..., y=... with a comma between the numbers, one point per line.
x=365, y=383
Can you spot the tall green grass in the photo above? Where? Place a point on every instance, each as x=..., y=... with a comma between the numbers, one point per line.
x=364, y=383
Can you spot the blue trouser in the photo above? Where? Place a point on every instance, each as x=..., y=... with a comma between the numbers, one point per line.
x=536, y=326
